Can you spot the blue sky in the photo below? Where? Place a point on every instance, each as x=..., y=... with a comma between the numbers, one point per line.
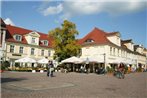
x=127, y=17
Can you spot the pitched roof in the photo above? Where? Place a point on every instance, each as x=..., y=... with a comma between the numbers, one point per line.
x=12, y=30
x=97, y=35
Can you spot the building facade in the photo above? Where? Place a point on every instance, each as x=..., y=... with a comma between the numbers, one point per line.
x=109, y=49
x=21, y=43
x=2, y=41
x=105, y=48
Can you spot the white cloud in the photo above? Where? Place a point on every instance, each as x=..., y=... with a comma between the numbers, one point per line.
x=88, y=7
x=8, y=21
x=53, y=10
x=93, y=7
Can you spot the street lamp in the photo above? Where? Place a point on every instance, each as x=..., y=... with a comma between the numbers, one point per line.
x=105, y=60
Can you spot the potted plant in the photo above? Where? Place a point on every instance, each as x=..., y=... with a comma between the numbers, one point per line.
x=34, y=69
x=2, y=68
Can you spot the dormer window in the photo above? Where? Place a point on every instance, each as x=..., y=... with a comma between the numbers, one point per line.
x=45, y=42
x=18, y=37
x=89, y=40
x=33, y=40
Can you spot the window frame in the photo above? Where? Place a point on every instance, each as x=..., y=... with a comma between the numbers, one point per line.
x=49, y=52
x=42, y=52
x=21, y=49
x=12, y=48
x=18, y=37
x=33, y=40
x=89, y=41
x=45, y=42
x=32, y=51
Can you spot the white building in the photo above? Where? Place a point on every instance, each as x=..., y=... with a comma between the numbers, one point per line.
x=19, y=42
x=109, y=49
x=2, y=41
x=106, y=48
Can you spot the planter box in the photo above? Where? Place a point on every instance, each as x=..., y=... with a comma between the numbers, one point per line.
x=41, y=71
x=1, y=71
x=33, y=71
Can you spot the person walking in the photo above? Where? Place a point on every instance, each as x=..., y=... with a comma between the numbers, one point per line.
x=48, y=68
x=51, y=69
x=121, y=70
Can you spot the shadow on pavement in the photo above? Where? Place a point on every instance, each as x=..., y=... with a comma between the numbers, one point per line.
x=4, y=80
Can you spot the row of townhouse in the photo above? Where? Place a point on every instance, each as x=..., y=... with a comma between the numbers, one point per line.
x=106, y=48
x=109, y=49
x=18, y=42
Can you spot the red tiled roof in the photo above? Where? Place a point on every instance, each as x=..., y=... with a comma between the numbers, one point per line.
x=97, y=35
x=11, y=30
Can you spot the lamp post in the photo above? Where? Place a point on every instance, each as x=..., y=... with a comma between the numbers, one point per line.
x=87, y=62
x=105, y=60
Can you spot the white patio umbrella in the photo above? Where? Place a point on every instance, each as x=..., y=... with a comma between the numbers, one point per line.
x=115, y=61
x=43, y=61
x=26, y=60
x=72, y=59
x=92, y=59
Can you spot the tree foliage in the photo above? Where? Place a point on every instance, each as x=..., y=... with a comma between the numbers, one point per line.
x=65, y=43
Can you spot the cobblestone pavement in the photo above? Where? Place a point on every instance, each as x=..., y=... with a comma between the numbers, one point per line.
x=72, y=85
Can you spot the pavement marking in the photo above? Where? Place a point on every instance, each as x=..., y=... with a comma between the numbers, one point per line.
x=40, y=87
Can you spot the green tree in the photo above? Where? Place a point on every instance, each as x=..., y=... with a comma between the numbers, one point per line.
x=65, y=43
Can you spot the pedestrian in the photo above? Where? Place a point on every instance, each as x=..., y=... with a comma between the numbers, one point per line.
x=48, y=68
x=121, y=71
x=51, y=70
x=82, y=68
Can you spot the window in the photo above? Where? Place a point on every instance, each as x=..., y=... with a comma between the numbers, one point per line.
x=33, y=40
x=32, y=51
x=49, y=53
x=21, y=50
x=118, y=40
x=118, y=52
x=114, y=51
x=18, y=37
x=110, y=50
x=45, y=43
x=89, y=40
x=42, y=52
x=12, y=48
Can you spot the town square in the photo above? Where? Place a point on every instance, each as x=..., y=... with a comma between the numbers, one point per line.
x=72, y=85
x=73, y=49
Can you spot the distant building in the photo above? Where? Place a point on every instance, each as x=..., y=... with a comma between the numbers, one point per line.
x=110, y=50
x=107, y=49
x=2, y=41
x=19, y=42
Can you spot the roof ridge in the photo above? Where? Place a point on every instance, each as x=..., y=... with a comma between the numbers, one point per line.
x=27, y=29
x=20, y=27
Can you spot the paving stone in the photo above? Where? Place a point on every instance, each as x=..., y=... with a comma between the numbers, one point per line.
x=72, y=85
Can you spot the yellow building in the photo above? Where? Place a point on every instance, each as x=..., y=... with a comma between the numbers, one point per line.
x=106, y=48
x=21, y=43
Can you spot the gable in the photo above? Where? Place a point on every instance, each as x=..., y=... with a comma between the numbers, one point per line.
x=96, y=36
x=33, y=34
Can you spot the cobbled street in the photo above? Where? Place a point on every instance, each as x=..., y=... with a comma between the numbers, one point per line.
x=72, y=85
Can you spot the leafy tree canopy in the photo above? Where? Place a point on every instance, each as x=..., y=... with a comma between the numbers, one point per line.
x=65, y=43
